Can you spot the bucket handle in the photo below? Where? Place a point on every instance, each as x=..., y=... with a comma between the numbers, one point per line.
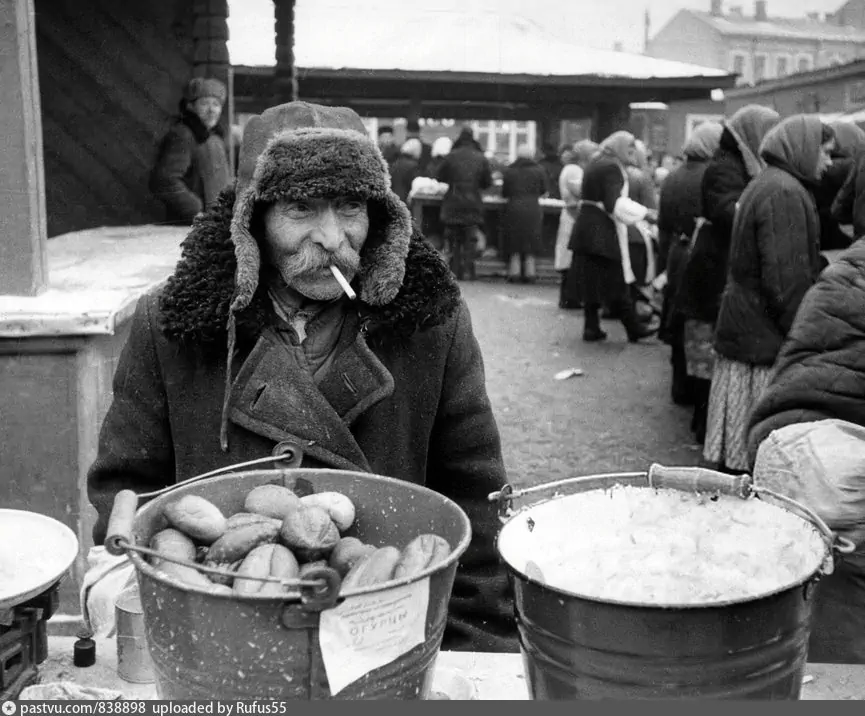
x=692, y=479
x=319, y=591
x=126, y=501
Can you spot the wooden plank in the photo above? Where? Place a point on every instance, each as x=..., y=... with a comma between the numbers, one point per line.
x=23, y=256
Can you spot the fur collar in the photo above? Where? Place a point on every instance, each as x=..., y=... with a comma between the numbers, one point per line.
x=194, y=304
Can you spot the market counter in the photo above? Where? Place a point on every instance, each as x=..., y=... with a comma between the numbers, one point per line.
x=494, y=677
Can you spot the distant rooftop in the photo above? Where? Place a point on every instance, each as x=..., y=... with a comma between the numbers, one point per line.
x=420, y=40
x=804, y=28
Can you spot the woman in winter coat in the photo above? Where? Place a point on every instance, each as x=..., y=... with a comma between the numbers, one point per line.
x=524, y=182
x=406, y=168
x=681, y=205
x=774, y=260
x=848, y=204
x=734, y=165
x=440, y=149
x=819, y=375
x=643, y=191
x=570, y=189
x=600, y=238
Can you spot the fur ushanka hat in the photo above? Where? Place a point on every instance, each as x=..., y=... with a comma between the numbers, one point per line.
x=300, y=151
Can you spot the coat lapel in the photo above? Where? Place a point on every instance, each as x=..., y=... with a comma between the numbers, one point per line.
x=277, y=398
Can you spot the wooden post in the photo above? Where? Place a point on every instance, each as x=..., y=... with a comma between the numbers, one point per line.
x=285, y=76
x=23, y=233
x=210, y=57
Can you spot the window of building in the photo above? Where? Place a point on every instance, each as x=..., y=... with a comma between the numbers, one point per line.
x=804, y=63
x=503, y=138
x=760, y=65
x=782, y=65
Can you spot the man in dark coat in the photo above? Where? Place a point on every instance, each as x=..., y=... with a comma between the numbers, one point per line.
x=412, y=130
x=819, y=375
x=523, y=183
x=467, y=173
x=192, y=165
x=405, y=169
x=552, y=164
x=252, y=344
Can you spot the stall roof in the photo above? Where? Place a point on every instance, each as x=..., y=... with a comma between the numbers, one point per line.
x=460, y=42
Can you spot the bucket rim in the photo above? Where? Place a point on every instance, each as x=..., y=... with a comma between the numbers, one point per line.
x=142, y=566
x=813, y=576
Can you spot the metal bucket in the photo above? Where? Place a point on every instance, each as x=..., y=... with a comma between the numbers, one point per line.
x=239, y=647
x=576, y=648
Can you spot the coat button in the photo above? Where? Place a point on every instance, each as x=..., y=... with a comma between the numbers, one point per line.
x=290, y=451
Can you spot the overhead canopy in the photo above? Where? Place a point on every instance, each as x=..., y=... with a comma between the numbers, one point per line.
x=456, y=62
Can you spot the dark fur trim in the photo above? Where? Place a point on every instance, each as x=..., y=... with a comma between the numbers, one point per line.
x=199, y=131
x=195, y=302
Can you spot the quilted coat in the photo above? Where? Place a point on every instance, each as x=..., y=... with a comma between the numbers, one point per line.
x=774, y=254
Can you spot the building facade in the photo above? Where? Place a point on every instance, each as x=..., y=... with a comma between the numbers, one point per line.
x=758, y=46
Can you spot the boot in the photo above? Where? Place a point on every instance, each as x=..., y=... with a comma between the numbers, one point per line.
x=529, y=270
x=514, y=269
x=592, y=325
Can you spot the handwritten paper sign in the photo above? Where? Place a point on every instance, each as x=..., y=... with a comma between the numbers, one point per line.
x=370, y=630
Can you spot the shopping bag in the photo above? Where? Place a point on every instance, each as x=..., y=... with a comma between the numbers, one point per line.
x=822, y=465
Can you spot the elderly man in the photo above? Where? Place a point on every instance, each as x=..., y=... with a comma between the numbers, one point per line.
x=252, y=342
x=192, y=166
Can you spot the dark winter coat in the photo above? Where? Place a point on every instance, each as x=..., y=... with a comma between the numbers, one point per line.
x=192, y=167
x=680, y=205
x=820, y=370
x=849, y=204
x=523, y=183
x=402, y=173
x=703, y=279
x=775, y=250
x=831, y=236
x=467, y=173
x=552, y=166
x=594, y=232
x=404, y=397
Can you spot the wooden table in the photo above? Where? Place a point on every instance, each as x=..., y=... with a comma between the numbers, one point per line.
x=495, y=677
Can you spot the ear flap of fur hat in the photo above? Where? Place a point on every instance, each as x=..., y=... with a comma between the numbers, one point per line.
x=299, y=151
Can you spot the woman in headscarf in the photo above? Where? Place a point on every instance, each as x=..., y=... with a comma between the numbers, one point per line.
x=441, y=147
x=640, y=241
x=681, y=205
x=524, y=182
x=774, y=260
x=600, y=238
x=837, y=189
x=734, y=165
x=570, y=188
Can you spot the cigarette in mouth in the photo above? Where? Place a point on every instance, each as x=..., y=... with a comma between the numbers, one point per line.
x=337, y=274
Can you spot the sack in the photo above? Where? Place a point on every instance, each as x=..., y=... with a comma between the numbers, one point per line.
x=822, y=465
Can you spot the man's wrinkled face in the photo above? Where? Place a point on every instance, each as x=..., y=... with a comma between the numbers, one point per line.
x=824, y=159
x=208, y=109
x=303, y=238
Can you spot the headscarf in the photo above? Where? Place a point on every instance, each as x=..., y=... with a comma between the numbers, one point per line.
x=642, y=154
x=749, y=126
x=794, y=144
x=525, y=151
x=585, y=150
x=849, y=138
x=617, y=146
x=703, y=142
x=441, y=147
x=412, y=147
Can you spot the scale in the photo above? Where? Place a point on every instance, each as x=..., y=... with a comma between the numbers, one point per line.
x=36, y=551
